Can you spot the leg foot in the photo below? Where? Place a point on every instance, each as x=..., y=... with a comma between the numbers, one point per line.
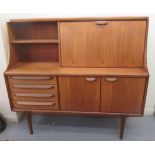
x=122, y=125
x=29, y=121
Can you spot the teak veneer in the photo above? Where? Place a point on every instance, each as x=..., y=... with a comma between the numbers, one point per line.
x=78, y=66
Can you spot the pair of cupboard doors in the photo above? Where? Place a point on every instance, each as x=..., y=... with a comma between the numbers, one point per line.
x=99, y=94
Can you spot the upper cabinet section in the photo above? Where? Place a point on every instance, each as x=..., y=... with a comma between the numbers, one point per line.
x=103, y=43
x=79, y=42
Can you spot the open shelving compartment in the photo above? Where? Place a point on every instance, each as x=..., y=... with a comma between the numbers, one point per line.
x=34, y=42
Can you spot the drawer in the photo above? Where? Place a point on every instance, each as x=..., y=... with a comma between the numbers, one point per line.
x=32, y=105
x=37, y=97
x=32, y=80
x=29, y=88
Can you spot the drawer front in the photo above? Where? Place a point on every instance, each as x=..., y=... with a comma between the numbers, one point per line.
x=32, y=105
x=30, y=88
x=34, y=92
x=31, y=80
x=33, y=97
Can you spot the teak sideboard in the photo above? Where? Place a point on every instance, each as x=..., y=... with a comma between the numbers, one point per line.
x=78, y=66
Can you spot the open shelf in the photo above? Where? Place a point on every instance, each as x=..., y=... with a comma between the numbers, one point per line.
x=34, y=42
x=31, y=41
x=34, y=30
x=36, y=52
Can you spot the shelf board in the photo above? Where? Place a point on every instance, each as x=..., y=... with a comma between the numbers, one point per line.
x=29, y=41
x=49, y=68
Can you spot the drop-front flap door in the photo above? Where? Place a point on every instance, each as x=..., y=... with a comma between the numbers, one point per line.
x=103, y=43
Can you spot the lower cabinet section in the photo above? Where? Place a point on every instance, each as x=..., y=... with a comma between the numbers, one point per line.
x=122, y=95
x=79, y=93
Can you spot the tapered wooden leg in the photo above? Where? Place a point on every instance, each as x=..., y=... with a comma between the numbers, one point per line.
x=29, y=121
x=122, y=125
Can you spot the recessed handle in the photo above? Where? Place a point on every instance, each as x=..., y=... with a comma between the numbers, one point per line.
x=36, y=103
x=34, y=86
x=34, y=95
x=101, y=23
x=31, y=77
x=111, y=79
x=91, y=79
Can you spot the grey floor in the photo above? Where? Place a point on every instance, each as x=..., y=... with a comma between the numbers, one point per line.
x=62, y=128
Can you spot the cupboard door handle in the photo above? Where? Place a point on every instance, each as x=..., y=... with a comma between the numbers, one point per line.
x=101, y=23
x=91, y=79
x=111, y=79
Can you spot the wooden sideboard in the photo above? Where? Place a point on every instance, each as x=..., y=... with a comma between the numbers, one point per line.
x=78, y=66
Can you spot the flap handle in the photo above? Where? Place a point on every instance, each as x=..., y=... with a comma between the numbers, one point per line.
x=101, y=23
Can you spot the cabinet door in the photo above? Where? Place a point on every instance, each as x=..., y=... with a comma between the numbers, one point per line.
x=122, y=95
x=79, y=93
x=107, y=44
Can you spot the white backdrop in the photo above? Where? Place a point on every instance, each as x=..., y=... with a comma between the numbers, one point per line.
x=4, y=103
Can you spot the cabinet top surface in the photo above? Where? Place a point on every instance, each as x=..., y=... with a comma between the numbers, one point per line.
x=45, y=68
x=78, y=19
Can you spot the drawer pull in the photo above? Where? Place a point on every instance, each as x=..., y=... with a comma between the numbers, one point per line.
x=101, y=23
x=34, y=86
x=30, y=78
x=111, y=79
x=91, y=79
x=33, y=95
x=36, y=103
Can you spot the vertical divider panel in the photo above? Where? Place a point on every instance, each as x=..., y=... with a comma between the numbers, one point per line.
x=59, y=43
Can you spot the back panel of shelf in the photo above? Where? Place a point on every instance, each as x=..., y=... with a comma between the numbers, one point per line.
x=37, y=52
x=34, y=30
